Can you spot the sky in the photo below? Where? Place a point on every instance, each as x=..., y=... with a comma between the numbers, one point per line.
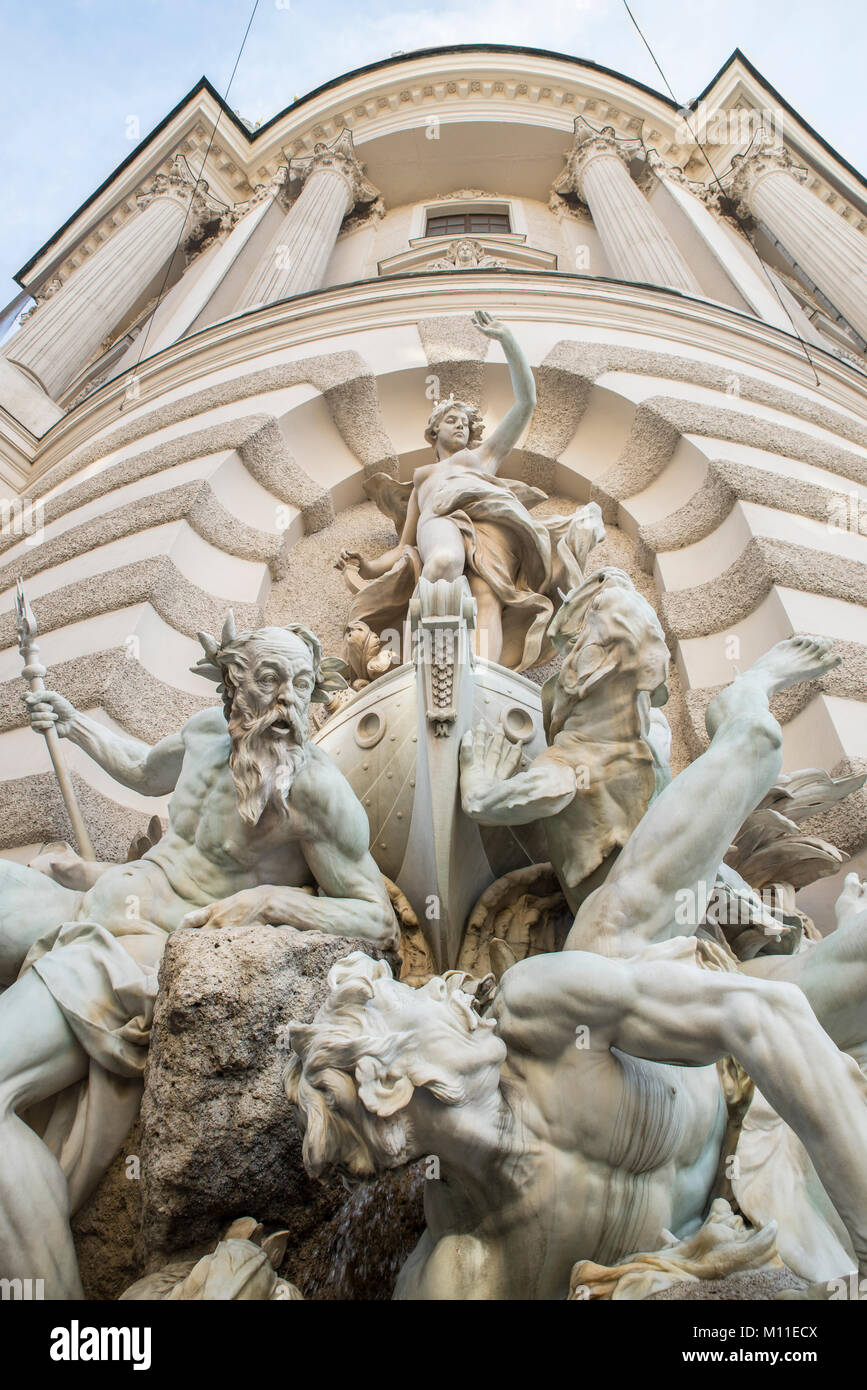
x=79, y=76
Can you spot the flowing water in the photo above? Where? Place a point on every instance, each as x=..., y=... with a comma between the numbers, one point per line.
x=359, y=1253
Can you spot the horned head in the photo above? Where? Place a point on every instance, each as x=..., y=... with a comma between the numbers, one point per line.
x=220, y=653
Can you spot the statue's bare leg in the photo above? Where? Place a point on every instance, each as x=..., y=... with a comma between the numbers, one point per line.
x=39, y=1057
x=30, y=904
x=441, y=547
x=661, y=883
x=489, y=620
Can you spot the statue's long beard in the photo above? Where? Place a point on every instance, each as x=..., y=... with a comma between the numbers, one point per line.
x=264, y=763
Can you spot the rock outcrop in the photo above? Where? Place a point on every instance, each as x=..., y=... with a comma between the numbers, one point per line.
x=218, y=1137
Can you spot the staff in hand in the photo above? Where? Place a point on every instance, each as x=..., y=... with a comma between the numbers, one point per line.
x=34, y=671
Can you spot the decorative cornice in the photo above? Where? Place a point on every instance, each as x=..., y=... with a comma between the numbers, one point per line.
x=261, y=166
x=683, y=324
x=457, y=82
x=440, y=96
x=460, y=193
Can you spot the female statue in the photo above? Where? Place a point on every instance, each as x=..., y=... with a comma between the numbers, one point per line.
x=457, y=517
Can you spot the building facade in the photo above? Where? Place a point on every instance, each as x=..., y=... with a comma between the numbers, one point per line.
x=241, y=327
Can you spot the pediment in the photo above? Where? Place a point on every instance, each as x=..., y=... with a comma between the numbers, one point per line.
x=507, y=251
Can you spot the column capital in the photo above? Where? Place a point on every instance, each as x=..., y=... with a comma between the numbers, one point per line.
x=192, y=193
x=203, y=211
x=589, y=144
x=656, y=167
x=40, y=296
x=271, y=189
x=178, y=183
x=747, y=170
x=337, y=158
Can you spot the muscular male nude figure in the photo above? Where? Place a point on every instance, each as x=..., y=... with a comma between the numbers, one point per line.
x=583, y=1116
x=257, y=812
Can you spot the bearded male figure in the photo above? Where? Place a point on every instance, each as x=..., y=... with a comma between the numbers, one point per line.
x=583, y=1117
x=258, y=812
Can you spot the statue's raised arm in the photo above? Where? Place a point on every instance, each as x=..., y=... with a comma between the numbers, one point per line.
x=456, y=517
x=494, y=450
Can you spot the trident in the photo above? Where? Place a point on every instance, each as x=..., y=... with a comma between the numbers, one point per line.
x=25, y=623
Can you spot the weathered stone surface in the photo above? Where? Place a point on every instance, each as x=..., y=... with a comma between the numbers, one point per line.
x=456, y=353
x=218, y=1137
x=305, y=590
x=760, y=1285
x=107, y=1228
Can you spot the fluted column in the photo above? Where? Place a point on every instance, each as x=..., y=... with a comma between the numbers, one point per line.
x=770, y=187
x=299, y=251
x=636, y=243
x=67, y=331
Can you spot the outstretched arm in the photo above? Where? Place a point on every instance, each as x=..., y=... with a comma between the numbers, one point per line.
x=151, y=770
x=664, y=1008
x=372, y=569
x=493, y=792
x=355, y=900
x=363, y=909
x=496, y=448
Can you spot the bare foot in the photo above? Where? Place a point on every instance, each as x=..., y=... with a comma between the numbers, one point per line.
x=794, y=660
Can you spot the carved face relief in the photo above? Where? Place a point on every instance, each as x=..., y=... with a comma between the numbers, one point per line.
x=268, y=721
x=367, y=654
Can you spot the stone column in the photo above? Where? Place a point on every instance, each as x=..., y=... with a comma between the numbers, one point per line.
x=295, y=260
x=67, y=330
x=769, y=186
x=636, y=243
